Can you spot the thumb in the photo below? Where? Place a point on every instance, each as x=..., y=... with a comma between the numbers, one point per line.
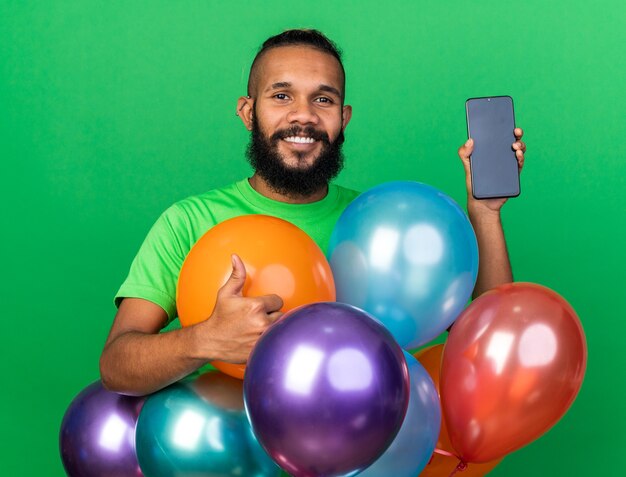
x=465, y=151
x=234, y=284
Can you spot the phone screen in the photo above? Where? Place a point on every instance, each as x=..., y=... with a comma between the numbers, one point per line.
x=490, y=123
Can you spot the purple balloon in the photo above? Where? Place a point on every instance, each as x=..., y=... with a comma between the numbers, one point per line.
x=326, y=390
x=97, y=436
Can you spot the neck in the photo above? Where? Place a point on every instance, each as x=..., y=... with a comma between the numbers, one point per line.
x=263, y=188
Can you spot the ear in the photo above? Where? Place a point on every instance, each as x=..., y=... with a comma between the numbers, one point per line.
x=346, y=115
x=244, y=111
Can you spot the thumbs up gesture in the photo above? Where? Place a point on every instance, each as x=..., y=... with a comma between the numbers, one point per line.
x=237, y=322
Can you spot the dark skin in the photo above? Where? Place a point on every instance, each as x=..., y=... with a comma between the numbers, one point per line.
x=137, y=359
x=494, y=267
x=291, y=85
x=295, y=85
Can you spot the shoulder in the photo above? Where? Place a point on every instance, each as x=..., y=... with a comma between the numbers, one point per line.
x=192, y=216
x=344, y=193
x=205, y=203
x=213, y=195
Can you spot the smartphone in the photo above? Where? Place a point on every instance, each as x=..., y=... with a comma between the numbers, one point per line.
x=490, y=123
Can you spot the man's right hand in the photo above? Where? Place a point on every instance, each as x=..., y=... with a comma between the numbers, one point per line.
x=137, y=359
x=237, y=322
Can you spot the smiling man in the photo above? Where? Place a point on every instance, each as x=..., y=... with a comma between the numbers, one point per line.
x=295, y=111
x=296, y=114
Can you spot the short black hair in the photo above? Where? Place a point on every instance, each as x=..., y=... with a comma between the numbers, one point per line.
x=298, y=37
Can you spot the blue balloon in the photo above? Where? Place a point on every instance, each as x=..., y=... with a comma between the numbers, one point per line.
x=407, y=254
x=199, y=427
x=414, y=445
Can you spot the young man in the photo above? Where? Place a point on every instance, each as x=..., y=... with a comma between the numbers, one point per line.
x=296, y=114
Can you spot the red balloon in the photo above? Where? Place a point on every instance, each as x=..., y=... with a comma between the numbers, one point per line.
x=442, y=465
x=512, y=366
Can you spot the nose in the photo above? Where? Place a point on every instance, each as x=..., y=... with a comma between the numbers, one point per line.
x=303, y=112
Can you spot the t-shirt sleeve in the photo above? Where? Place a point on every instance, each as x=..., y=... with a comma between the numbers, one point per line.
x=154, y=271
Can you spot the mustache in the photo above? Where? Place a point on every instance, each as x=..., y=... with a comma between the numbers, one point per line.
x=295, y=130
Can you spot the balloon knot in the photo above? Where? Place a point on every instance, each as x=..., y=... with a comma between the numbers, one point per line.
x=459, y=468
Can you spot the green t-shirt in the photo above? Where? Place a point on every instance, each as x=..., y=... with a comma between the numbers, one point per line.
x=154, y=272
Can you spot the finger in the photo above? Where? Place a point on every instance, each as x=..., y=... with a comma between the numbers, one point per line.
x=271, y=303
x=519, y=155
x=234, y=284
x=465, y=151
x=275, y=316
x=518, y=132
x=519, y=146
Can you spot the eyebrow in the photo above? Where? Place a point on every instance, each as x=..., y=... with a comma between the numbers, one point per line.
x=322, y=87
x=279, y=85
x=330, y=89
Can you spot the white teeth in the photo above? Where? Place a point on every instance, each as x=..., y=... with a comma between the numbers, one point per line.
x=300, y=140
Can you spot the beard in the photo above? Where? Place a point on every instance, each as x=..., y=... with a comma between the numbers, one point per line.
x=268, y=163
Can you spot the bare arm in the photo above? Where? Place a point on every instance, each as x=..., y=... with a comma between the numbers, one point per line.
x=494, y=267
x=138, y=360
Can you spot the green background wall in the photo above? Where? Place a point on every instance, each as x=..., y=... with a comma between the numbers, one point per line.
x=110, y=111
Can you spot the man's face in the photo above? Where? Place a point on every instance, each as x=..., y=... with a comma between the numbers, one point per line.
x=297, y=119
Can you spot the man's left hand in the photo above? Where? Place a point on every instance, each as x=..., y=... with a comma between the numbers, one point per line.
x=488, y=206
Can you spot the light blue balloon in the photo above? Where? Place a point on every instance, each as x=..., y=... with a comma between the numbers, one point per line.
x=412, y=448
x=406, y=253
x=199, y=427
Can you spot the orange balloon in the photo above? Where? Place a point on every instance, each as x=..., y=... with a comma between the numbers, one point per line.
x=512, y=366
x=443, y=465
x=220, y=390
x=279, y=258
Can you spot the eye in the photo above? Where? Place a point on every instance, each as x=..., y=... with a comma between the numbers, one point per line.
x=281, y=96
x=324, y=99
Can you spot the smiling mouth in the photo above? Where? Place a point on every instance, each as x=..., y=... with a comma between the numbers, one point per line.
x=299, y=140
